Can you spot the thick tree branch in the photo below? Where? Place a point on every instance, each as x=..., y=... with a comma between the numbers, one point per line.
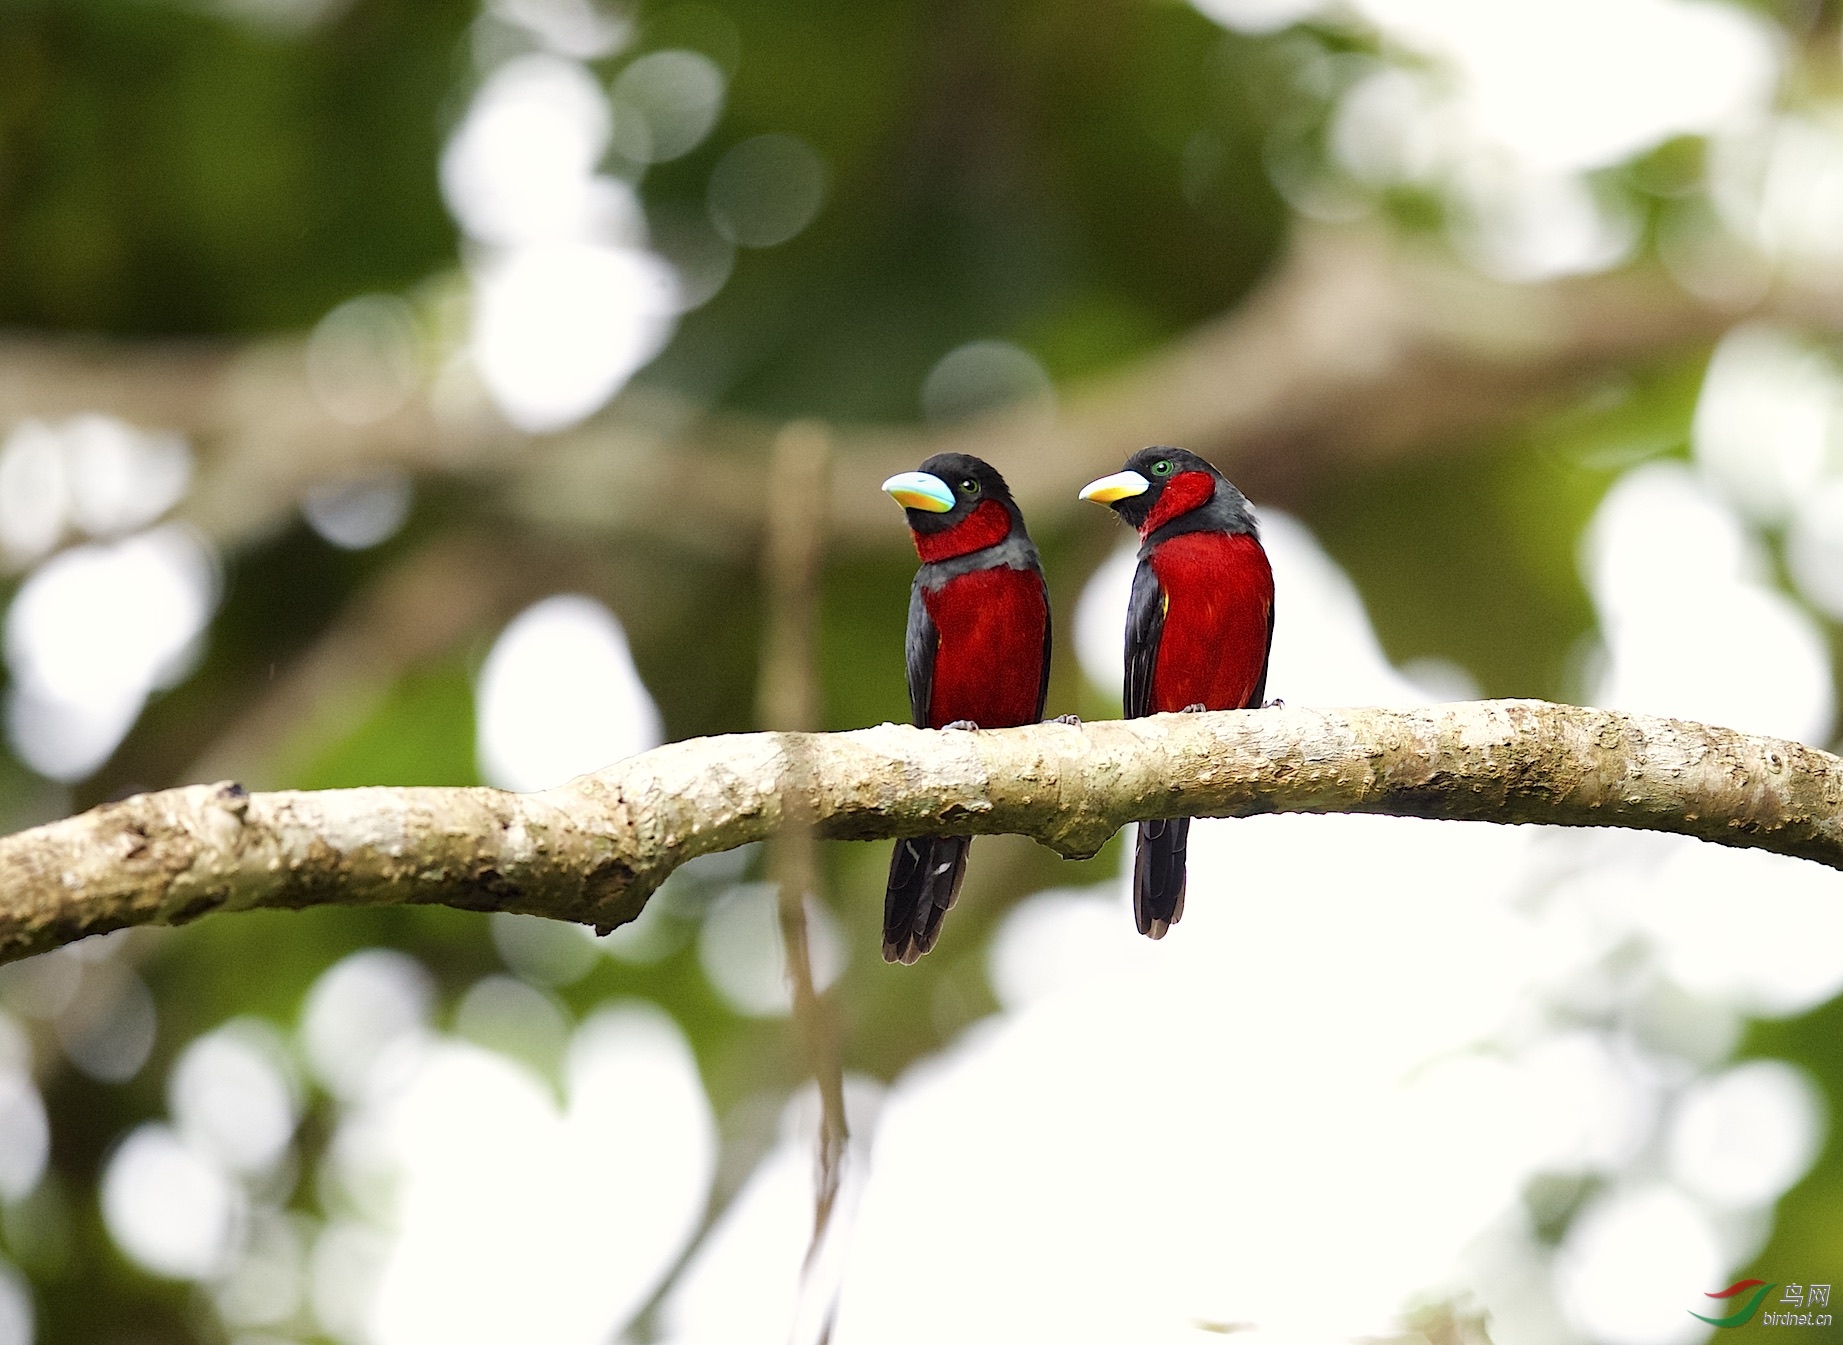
x=595, y=849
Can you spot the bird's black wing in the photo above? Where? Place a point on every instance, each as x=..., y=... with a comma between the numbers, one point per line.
x=1158, y=853
x=1145, y=624
x=1043, y=677
x=922, y=644
x=925, y=871
x=1260, y=687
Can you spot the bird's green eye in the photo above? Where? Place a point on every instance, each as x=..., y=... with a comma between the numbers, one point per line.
x=970, y=486
x=1161, y=468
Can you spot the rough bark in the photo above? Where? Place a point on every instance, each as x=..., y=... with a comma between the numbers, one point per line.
x=595, y=849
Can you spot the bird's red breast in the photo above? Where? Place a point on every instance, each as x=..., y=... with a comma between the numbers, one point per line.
x=989, y=664
x=1219, y=600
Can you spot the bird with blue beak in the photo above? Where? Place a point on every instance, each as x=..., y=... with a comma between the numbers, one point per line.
x=1199, y=626
x=978, y=653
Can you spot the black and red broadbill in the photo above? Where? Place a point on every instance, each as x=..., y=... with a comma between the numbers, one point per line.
x=1199, y=626
x=978, y=655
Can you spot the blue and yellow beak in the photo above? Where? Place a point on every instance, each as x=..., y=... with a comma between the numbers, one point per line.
x=1109, y=489
x=920, y=490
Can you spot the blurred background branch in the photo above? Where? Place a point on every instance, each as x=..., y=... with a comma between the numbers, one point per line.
x=1361, y=346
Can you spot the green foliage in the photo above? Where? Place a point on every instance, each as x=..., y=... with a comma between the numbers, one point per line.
x=1807, y=1236
x=998, y=170
x=422, y=734
x=1471, y=555
x=163, y=170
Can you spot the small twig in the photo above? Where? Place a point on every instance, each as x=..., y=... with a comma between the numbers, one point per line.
x=789, y=701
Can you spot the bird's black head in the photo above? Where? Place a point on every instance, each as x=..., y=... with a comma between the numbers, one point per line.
x=1160, y=485
x=948, y=490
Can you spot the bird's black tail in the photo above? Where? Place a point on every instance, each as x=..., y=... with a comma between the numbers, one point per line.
x=1158, y=875
x=925, y=878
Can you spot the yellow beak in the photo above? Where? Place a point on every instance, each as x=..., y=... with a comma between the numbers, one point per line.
x=920, y=490
x=1119, y=486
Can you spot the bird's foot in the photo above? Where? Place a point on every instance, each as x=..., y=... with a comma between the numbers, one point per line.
x=1275, y=704
x=1194, y=708
x=965, y=724
x=1073, y=721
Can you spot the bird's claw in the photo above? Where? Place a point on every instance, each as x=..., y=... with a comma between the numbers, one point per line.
x=1073, y=721
x=961, y=724
x=1194, y=708
x=1275, y=704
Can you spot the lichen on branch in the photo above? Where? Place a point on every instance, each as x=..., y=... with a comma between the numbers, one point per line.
x=595, y=849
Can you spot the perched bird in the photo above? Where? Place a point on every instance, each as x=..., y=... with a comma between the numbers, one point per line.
x=978, y=655
x=1199, y=626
